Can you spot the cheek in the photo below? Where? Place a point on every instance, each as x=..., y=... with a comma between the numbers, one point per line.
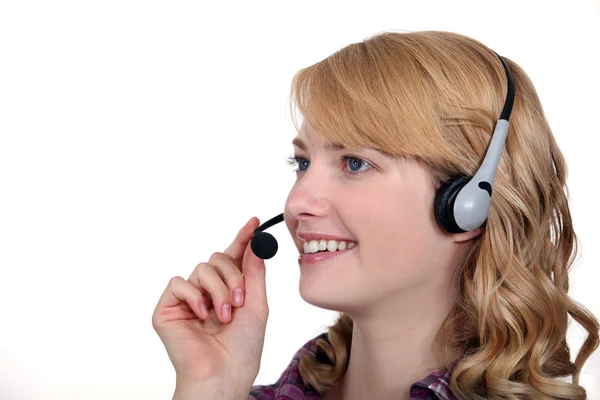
x=397, y=236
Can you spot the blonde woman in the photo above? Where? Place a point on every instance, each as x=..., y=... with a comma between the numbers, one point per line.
x=435, y=301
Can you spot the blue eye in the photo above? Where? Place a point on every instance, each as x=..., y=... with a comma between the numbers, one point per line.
x=302, y=162
x=352, y=163
x=355, y=162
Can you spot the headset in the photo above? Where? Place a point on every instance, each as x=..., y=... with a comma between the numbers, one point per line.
x=461, y=204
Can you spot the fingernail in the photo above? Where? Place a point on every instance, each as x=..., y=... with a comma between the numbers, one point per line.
x=203, y=310
x=226, y=311
x=238, y=296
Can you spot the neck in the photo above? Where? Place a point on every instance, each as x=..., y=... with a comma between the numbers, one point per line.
x=392, y=346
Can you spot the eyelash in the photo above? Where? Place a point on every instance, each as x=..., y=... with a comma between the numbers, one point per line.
x=293, y=160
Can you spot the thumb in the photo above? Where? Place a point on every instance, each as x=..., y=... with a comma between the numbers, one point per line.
x=254, y=272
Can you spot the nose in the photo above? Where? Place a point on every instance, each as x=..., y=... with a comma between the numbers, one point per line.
x=309, y=197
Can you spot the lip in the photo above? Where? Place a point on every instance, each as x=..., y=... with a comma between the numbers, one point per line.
x=314, y=258
x=308, y=236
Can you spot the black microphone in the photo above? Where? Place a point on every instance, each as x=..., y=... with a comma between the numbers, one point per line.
x=263, y=244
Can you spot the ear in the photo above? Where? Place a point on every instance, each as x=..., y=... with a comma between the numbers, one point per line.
x=466, y=236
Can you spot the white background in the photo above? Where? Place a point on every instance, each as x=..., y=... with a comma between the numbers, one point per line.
x=137, y=137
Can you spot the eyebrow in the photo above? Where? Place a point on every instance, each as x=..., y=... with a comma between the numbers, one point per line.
x=336, y=147
x=328, y=146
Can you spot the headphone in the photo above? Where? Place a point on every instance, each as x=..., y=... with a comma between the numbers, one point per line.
x=461, y=204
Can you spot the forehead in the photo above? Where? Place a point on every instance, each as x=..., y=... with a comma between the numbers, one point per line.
x=300, y=143
x=309, y=137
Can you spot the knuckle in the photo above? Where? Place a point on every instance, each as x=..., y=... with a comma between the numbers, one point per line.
x=174, y=280
x=227, y=269
x=201, y=267
x=216, y=257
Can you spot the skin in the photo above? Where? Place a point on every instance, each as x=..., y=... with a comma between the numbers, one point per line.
x=397, y=283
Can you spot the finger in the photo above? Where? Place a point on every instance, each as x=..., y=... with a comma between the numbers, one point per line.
x=231, y=274
x=178, y=291
x=209, y=280
x=237, y=247
x=255, y=286
x=253, y=269
x=193, y=280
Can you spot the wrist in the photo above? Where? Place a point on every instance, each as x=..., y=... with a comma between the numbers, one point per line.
x=210, y=390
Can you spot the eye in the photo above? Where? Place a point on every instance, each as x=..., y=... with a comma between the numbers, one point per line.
x=353, y=164
x=300, y=161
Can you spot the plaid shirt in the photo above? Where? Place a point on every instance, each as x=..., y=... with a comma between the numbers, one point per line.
x=289, y=386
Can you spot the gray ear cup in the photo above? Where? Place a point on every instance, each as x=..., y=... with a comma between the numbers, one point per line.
x=462, y=203
x=443, y=205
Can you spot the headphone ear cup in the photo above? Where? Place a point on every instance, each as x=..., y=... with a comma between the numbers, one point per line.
x=443, y=206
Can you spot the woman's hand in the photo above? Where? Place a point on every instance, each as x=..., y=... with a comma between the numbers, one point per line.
x=210, y=334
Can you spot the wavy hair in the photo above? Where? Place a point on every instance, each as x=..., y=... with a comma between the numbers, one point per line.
x=435, y=97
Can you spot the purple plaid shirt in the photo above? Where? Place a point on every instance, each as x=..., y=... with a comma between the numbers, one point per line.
x=289, y=386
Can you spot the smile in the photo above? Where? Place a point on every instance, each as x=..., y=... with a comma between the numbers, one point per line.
x=313, y=258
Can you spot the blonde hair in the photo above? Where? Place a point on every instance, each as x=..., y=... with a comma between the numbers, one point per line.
x=435, y=97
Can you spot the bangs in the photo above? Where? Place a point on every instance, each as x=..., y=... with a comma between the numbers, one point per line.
x=350, y=99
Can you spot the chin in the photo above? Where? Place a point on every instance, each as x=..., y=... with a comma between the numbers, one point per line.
x=328, y=294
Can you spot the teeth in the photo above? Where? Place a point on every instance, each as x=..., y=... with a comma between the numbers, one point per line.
x=330, y=245
x=323, y=244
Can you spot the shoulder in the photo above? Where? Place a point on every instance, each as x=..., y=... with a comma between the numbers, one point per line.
x=289, y=386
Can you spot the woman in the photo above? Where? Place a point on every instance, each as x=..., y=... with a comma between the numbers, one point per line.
x=425, y=311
